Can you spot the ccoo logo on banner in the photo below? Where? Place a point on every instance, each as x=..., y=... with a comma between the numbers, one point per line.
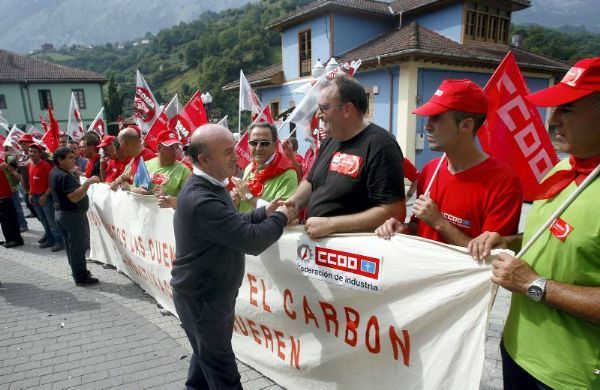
x=349, y=268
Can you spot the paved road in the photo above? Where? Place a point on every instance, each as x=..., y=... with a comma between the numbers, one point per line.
x=54, y=335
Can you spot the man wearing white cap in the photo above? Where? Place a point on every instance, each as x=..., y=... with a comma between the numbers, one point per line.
x=552, y=334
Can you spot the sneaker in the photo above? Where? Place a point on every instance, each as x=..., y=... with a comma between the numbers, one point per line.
x=30, y=216
x=42, y=240
x=57, y=248
x=12, y=244
x=46, y=244
x=86, y=282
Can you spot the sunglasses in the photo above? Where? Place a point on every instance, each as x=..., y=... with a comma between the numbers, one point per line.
x=263, y=144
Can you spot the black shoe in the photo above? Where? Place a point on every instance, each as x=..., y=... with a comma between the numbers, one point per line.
x=86, y=282
x=42, y=240
x=12, y=244
x=24, y=229
x=57, y=248
x=46, y=244
x=30, y=216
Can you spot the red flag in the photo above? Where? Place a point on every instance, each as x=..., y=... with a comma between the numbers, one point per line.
x=242, y=149
x=44, y=124
x=163, y=122
x=514, y=132
x=50, y=139
x=192, y=116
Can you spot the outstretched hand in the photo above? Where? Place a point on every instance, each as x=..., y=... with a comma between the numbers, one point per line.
x=390, y=227
x=481, y=246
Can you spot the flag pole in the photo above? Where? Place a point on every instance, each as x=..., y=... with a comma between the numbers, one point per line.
x=559, y=211
x=435, y=173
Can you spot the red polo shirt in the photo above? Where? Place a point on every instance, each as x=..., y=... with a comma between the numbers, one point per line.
x=38, y=177
x=114, y=169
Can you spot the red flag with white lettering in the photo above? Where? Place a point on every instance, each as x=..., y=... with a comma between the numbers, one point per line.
x=191, y=117
x=514, y=132
x=242, y=149
x=145, y=106
x=163, y=122
x=50, y=139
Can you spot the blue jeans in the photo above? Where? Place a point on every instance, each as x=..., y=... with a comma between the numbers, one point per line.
x=20, y=216
x=46, y=216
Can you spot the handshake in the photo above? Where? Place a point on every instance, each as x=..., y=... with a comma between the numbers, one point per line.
x=286, y=207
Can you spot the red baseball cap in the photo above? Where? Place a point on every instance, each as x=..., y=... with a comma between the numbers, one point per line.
x=106, y=140
x=26, y=138
x=459, y=95
x=581, y=80
x=168, y=138
x=37, y=146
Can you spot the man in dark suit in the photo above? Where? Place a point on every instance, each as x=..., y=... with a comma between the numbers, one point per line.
x=211, y=238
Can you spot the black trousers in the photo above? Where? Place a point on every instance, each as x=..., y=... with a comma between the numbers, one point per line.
x=76, y=234
x=9, y=221
x=209, y=326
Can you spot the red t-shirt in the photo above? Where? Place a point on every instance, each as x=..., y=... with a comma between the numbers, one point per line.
x=5, y=190
x=38, y=177
x=486, y=197
x=114, y=169
x=410, y=171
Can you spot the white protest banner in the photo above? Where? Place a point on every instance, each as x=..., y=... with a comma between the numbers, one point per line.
x=346, y=312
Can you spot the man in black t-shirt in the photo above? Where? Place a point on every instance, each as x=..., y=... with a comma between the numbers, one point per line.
x=71, y=203
x=357, y=181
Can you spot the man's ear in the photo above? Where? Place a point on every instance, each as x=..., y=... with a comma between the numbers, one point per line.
x=467, y=125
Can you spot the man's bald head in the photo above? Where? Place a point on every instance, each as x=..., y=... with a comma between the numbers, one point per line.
x=206, y=138
x=128, y=134
x=130, y=141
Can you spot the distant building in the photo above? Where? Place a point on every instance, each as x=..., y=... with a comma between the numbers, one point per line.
x=407, y=48
x=29, y=85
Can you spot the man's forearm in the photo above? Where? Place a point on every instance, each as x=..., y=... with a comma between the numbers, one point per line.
x=302, y=194
x=79, y=193
x=582, y=302
x=451, y=234
x=369, y=220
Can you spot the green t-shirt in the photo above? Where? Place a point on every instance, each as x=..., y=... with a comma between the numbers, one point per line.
x=282, y=186
x=173, y=176
x=559, y=349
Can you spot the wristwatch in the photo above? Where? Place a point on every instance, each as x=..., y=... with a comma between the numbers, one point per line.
x=248, y=196
x=537, y=289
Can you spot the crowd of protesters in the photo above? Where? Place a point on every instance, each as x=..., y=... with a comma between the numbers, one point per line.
x=355, y=183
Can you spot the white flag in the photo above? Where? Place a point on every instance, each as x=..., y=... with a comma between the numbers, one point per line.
x=223, y=122
x=3, y=123
x=248, y=98
x=34, y=130
x=145, y=106
x=12, y=139
x=98, y=125
x=305, y=110
x=75, y=124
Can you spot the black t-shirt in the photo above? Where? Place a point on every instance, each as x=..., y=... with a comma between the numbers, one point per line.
x=63, y=183
x=352, y=176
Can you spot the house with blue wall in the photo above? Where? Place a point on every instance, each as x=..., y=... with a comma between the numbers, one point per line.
x=28, y=86
x=407, y=48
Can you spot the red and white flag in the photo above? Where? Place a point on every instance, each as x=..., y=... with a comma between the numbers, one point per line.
x=50, y=139
x=305, y=110
x=191, y=117
x=75, y=124
x=514, y=132
x=34, y=130
x=242, y=149
x=44, y=124
x=166, y=120
x=145, y=106
x=98, y=125
x=12, y=139
x=248, y=98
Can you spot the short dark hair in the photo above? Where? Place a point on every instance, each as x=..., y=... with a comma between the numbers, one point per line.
x=350, y=91
x=294, y=143
x=91, y=139
x=61, y=154
x=264, y=124
x=478, y=119
x=195, y=148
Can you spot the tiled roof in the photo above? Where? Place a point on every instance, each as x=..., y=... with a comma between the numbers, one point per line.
x=268, y=75
x=415, y=41
x=412, y=5
x=16, y=67
x=364, y=6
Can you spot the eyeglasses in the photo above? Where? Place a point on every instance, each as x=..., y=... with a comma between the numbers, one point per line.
x=264, y=144
x=325, y=107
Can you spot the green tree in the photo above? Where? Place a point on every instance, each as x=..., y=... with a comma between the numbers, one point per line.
x=113, y=100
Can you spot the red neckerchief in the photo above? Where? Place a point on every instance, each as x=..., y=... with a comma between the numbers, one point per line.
x=580, y=169
x=90, y=165
x=279, y=165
